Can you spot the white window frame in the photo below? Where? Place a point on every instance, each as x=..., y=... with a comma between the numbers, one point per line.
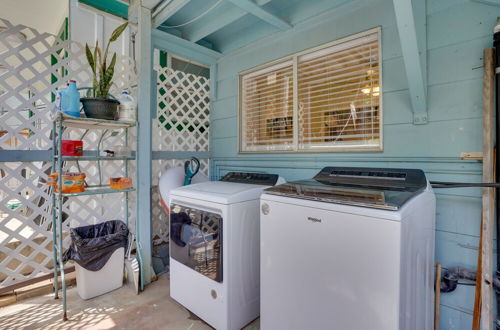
x=294, y=59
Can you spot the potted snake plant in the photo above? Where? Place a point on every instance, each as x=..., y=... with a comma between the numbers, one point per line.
x=99, y=103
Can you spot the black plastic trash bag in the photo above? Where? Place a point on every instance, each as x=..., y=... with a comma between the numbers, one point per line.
x=92, y=246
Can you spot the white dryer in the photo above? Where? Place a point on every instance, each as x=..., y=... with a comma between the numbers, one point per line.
x=352, y=248
x=214, y=248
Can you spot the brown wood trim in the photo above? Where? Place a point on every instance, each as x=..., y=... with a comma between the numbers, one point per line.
x=34, y=280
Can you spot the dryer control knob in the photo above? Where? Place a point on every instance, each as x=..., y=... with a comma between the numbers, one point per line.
x=265, y=209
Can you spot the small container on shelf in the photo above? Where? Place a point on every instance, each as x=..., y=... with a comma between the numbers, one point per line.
x=127, y=108
x=72, y=182
x=68, y=100
x=120, y=183
x=72, y=148
x=107, y=153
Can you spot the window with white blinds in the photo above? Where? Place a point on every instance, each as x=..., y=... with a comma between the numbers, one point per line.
x=267, y=96
x=324, y=99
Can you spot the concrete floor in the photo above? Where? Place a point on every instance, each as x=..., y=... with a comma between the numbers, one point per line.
x=120, y=309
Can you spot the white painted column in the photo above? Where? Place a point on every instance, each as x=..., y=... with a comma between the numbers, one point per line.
x=144, y=143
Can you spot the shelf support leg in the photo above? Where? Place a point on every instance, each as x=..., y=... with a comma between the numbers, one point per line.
x=54, y=214
x=126, y=175
x=60, y=219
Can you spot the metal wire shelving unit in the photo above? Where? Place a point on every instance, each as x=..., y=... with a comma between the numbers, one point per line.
x=60, y=123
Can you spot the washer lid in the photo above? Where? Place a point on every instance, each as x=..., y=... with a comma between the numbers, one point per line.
x=368, y=187
x=220, y=192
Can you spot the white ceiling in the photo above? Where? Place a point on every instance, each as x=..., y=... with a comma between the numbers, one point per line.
x=43, y=15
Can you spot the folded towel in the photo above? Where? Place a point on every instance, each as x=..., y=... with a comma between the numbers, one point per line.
x=177, y=220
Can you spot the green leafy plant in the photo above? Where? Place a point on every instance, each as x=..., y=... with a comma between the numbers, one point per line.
x=102, y=72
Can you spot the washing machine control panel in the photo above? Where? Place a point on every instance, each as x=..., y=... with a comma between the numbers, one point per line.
x=251, y=178
x=382, y=178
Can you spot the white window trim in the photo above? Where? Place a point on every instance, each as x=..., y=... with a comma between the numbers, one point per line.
x=294, y=59
x=171, y=56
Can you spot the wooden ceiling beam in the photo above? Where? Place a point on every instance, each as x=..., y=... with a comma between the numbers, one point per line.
x=256, y=10
x=224, y=15
x=165, y=10
x=411, y=22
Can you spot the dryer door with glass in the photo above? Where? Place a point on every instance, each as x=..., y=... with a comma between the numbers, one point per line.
x=196, y=239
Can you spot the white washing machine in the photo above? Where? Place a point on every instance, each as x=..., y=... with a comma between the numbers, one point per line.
x=352, y=248
x=214, y=248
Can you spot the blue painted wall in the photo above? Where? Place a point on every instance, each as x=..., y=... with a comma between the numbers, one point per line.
x=458, y=31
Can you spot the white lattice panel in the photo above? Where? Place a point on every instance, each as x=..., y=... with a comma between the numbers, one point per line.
x=25, y=221
x=182, y=124
x=33, y=66
x=183, y=111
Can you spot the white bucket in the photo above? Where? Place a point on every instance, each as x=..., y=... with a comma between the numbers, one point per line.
x=91, y=284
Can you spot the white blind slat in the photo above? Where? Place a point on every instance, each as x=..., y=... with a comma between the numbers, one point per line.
x=338, y=92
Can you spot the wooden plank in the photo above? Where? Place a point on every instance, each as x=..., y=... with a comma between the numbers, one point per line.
x=436, y=139
x=489, y=2
x=34, y=280
x=167, y=11
x=437, y=300
x=472, y=155
x=476, y=315
x=320, y=12
x=488, y=193
x=151, y=4
x=453, y=18
x=223, y=15
x=184, y=48
x=259, y=12
x=412, y=45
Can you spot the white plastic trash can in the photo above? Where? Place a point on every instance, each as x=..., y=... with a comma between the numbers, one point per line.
x=91, y=284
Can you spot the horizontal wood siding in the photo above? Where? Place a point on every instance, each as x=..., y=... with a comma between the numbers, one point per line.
x=458, y=31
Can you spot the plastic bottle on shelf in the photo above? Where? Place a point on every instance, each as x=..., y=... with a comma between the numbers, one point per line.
x=68, y=100
x=74, y=100
x=61, y=98
x=127, y=107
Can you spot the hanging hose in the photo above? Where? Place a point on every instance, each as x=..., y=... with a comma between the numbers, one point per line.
x=442, y=184
x=449, y=282
x=451, y=277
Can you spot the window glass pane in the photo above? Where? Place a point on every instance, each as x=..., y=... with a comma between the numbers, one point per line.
x=188, y=67
x=339, y=97
x=267, y=109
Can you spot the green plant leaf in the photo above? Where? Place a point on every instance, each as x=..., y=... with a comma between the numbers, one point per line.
x=99, y=53
x=103, y=73
x=117, y=32
x=95, y=83
x=114, y=36
x=100, y=85
x=90, y=58
x=108, y=75
x=113, y=63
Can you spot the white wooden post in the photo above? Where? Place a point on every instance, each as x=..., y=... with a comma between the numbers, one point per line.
x=144, y=144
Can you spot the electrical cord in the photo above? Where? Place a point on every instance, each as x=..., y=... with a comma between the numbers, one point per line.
x=443, y=184
x=194, y=19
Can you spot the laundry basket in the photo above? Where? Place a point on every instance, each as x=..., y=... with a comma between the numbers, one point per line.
x=99, y=252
